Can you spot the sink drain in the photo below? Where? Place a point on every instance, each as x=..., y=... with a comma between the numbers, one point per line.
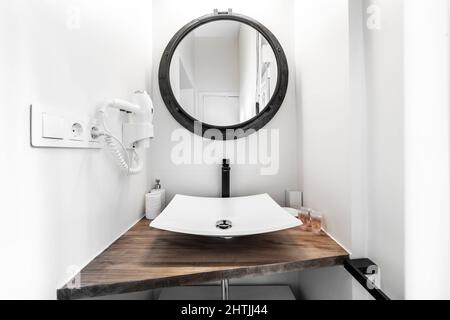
x=224, y=224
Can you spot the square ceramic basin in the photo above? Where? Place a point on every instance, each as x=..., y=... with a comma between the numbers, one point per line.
x=224, y=217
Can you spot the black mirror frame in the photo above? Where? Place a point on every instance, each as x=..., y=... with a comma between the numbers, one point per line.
x=240, y=130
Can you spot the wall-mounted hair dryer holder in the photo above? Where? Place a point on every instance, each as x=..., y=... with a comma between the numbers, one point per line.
x=137, y=135
x=136, y=131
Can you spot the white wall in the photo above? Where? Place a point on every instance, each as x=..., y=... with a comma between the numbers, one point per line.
x=426, y=132
x=203, y=179
x=384, y=70
x=62, y=207
x=248, y=72
x=324, y=122
x=359, y=139
x=216, y=64
x=322, y=52
x=406, y=57
x=217, y=71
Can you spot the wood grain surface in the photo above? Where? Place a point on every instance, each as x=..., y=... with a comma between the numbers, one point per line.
x=145, y=258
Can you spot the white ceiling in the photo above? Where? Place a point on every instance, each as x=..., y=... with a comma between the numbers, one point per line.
x=218, y=29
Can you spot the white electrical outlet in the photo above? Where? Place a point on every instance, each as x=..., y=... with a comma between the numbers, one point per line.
x=92, y=127
x=56, y=128
x=76, y=131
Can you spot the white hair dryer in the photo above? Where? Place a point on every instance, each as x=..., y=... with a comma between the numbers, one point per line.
x=136, y=132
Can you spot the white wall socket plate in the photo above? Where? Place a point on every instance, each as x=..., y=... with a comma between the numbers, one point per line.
x=294, y=199
x=55, y=128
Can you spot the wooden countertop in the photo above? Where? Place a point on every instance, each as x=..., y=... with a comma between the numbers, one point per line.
x=145, y=258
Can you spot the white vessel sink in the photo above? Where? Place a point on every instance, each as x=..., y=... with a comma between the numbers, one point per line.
x=224, y=217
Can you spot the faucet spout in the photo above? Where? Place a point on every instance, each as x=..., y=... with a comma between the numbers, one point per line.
x=226, y=178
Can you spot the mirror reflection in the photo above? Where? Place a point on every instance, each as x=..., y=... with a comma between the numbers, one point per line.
x=223, y=73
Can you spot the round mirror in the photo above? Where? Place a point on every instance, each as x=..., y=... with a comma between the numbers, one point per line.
x=224, y=72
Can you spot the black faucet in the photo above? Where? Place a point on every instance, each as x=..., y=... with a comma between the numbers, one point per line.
x=226, y=178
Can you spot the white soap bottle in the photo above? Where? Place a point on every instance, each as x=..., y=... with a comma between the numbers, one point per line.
x=155, y=201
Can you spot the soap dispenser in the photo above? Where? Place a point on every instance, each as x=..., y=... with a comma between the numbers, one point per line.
x=155, y=201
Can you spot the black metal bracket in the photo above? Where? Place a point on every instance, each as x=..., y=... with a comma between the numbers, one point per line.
x=360, y=269
x=217, y=12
